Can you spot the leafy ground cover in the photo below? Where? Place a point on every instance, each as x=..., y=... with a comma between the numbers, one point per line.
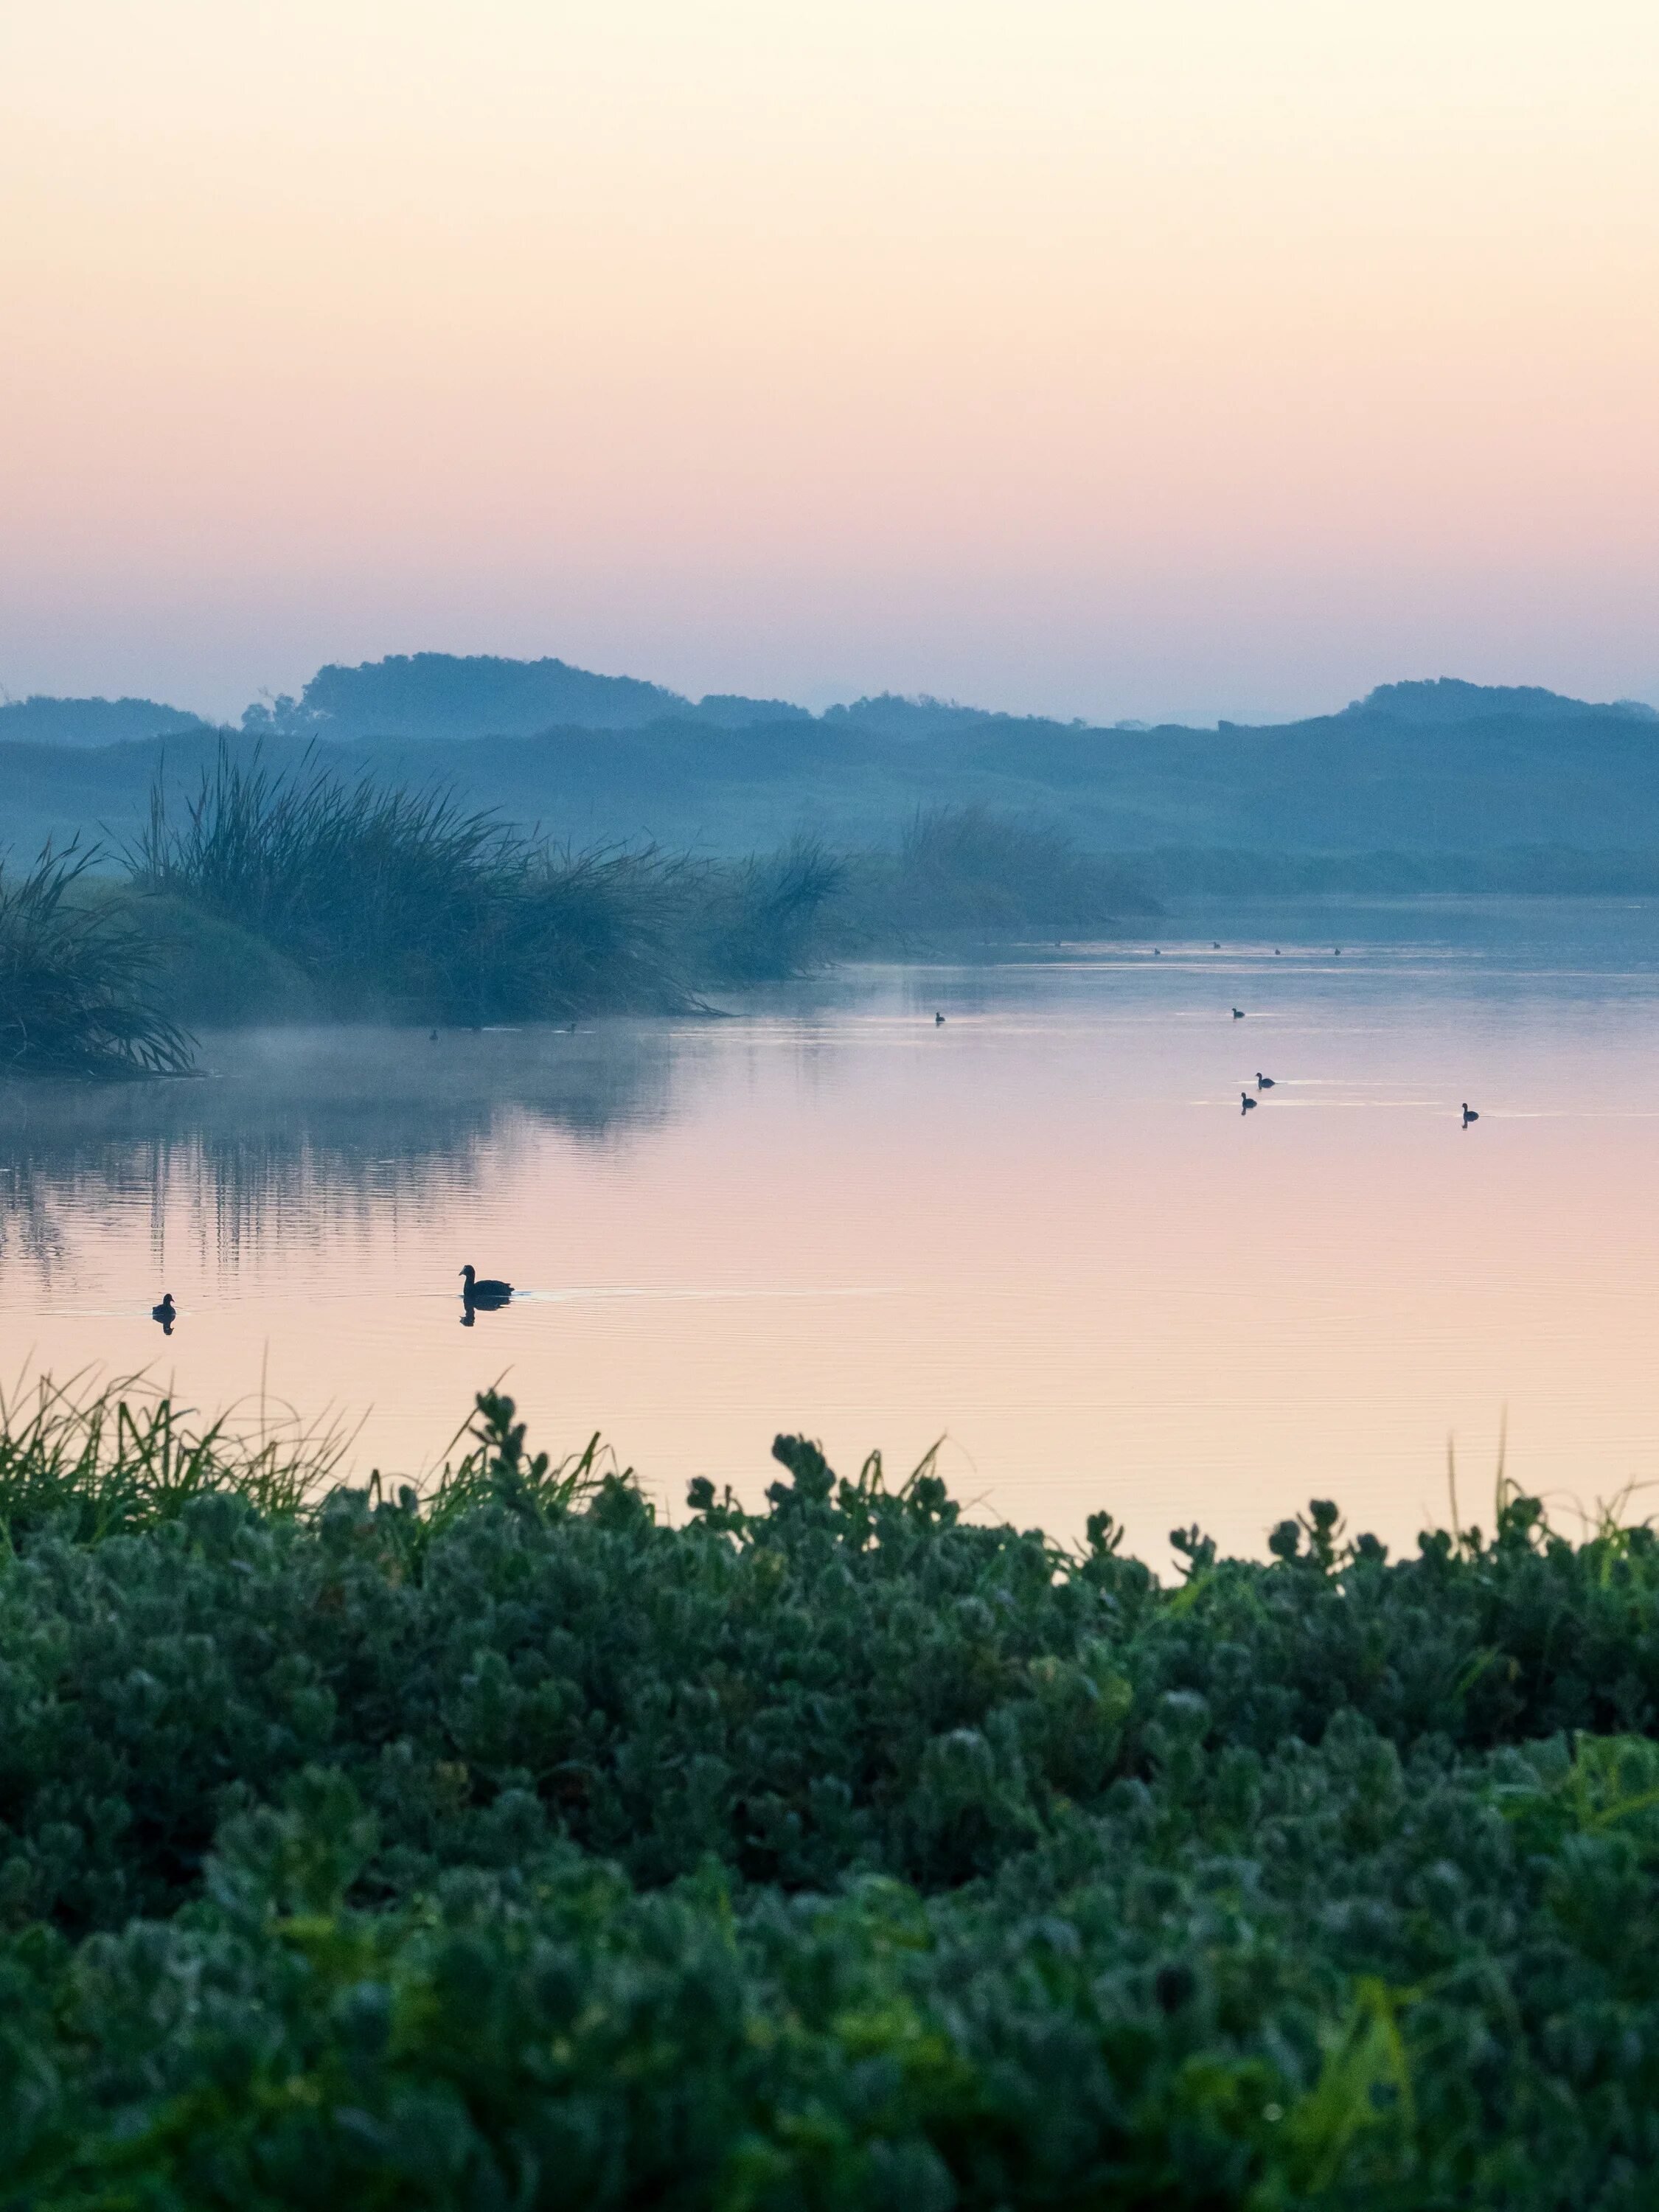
x=510, y=1846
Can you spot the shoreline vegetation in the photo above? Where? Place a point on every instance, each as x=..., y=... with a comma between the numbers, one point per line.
x=511, y=1845
x=274, y=896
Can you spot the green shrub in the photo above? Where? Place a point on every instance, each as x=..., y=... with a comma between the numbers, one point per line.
x=509, y=1847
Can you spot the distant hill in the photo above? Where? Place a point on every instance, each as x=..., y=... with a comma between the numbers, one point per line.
x=443, y=695
x=1447, y=700
x=1441, y=767
x=38, y=721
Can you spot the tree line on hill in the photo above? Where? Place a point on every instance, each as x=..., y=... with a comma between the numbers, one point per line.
x=1442, y=768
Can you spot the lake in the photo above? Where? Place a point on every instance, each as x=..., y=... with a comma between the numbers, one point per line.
x=1043, y=1231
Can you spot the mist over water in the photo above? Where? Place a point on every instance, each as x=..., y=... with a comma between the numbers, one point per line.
x=1044, y=1230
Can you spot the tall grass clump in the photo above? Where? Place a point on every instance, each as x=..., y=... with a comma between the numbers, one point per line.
x=408, y=903
x=770, y=917
x=76, y=976
x=88, y=1459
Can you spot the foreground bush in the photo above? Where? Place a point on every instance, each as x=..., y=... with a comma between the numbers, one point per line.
x=512, y=1848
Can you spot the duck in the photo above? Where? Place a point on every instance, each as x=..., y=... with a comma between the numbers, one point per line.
x=1238, y=1013
x=1246, y=1103
x=483, y=1291
x=1263, y=1082
x=1469, y=1113
x=166, y=1313
x=938, y=1021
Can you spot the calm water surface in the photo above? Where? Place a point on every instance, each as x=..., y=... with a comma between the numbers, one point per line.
x=1044, y=1231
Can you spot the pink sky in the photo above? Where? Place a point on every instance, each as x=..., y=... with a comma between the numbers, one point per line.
x=1094, y=356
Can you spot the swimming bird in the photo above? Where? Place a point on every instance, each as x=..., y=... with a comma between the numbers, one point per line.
x=1263, y=1082
x=1469, y=1113
x=433, y=1039
x=1238, y=1013
x=938, y=1021
x=486, y=1291
x=1337, y=950
x=166, y=1313
x=1158, y=952
x=1246, y=1103
x=1277, y=955
x=1215, y=944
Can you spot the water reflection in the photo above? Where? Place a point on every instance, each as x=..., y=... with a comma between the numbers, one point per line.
x=291, y=1132
x=1047, y=1228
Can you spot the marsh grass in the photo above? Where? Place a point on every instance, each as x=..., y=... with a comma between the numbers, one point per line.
x=76, y=978
x=92, y=1458
x=406, y=902
x=770, y=917
x=279, y=895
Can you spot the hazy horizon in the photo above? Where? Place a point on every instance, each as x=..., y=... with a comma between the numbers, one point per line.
x=1197, y=363
x=231, y=716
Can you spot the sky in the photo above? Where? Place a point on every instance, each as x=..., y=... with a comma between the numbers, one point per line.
x=1156, y=358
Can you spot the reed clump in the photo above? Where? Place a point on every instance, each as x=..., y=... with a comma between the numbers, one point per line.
x=406, y=902
x=90, y=1459
x=506, y=1843
x=771, y=916
x=76, y=978
x=272, y=896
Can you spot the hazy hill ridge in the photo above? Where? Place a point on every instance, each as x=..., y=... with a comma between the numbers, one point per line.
x=441, y=694
x=44, y=721
x=1434, y=767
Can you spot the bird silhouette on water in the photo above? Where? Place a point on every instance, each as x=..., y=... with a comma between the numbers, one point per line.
x=166, y=1313
x=1238, y=1013
x=938, y=1021
x=1246, y=1103
x=1263, y=1082
x=485, y=1292
x=1469, y=1113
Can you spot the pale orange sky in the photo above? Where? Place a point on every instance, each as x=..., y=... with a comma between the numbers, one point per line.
x=1100, y=356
